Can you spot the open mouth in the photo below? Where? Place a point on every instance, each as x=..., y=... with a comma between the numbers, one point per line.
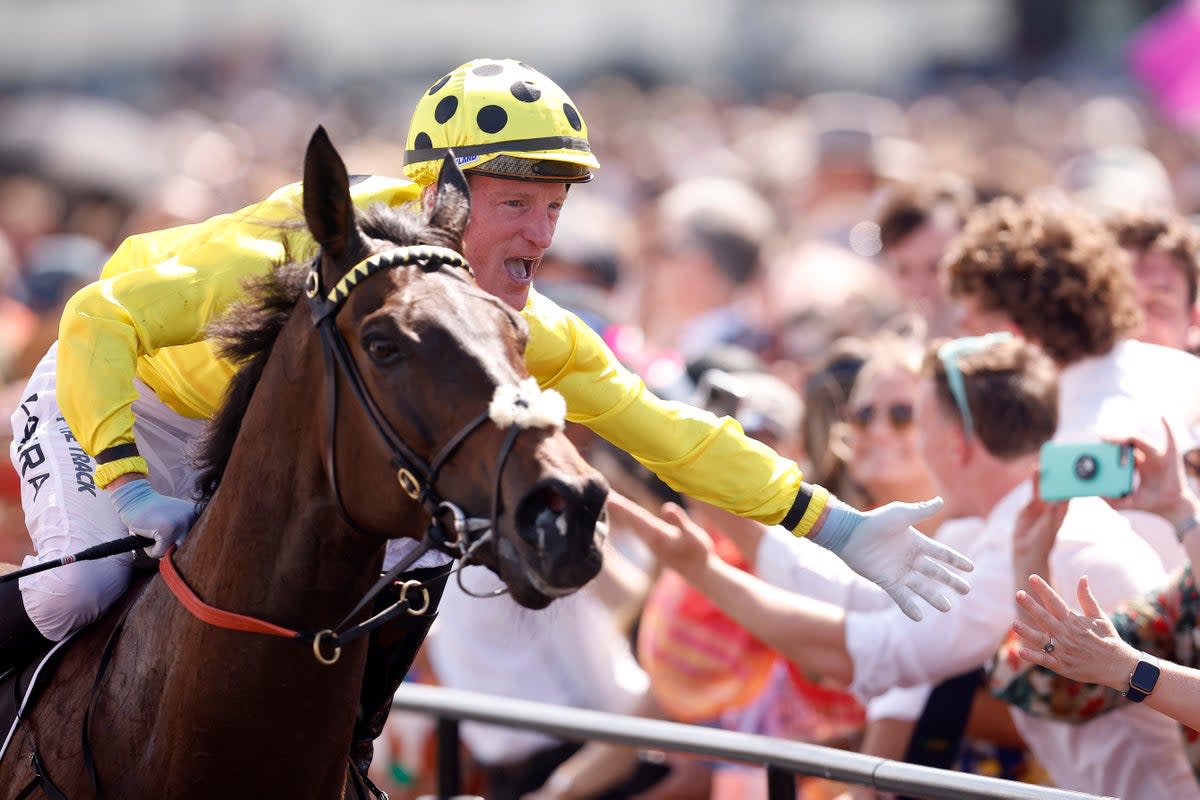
x=521, y=269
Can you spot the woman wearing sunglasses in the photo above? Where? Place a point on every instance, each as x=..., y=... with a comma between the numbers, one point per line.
x=877, y=436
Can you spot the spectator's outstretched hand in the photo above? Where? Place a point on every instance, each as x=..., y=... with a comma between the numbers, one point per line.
x=676, y=540
x=884, y=547
x=1086, y=647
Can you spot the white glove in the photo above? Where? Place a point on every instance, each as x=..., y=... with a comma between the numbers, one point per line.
x=883, y=547
x=148, y=513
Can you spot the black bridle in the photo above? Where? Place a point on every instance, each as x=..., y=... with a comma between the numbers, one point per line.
x=450, y=529
x=417, y=478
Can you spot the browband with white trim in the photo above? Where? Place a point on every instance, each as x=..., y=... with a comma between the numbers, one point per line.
x=422, y=255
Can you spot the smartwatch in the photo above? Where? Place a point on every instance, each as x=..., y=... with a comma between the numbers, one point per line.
x=1142, y=679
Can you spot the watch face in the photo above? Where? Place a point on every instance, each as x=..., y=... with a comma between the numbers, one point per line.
x=1144, y=676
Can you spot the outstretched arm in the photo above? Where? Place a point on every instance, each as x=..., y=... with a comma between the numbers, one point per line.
x=869, y=652
x=882, y=546
x=1086, y=648
x=807, y=632
x=712, y=460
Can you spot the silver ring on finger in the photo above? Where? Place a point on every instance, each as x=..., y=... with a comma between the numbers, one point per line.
x=1049, y=646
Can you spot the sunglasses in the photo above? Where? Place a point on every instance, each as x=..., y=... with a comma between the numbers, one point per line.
x=899, y=415
x=949, y=354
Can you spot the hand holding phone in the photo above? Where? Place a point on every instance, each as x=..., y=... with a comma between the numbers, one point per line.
x=1084, y=469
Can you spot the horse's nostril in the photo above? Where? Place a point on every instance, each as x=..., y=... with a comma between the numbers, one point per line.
x=554, y=518
x=554, y=500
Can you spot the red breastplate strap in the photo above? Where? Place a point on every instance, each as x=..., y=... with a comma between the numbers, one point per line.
x=215, y=616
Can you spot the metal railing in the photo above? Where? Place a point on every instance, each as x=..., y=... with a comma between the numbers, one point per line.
x=783, y=759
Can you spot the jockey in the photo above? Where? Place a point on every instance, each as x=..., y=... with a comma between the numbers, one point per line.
x=104, y=450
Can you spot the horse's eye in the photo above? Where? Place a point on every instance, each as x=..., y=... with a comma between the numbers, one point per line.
x=381, y=350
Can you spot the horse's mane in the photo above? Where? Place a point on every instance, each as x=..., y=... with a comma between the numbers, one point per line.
x=246, y=333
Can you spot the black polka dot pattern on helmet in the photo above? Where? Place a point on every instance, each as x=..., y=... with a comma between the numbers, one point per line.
x=445, y=108
x=491, y=112
x=525, y=91
x=573, y=116
x=491, y=119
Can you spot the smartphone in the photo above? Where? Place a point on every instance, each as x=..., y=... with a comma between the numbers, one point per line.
x=1084, y=469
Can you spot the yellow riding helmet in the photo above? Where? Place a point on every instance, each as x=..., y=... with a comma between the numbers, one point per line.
x=500, y=117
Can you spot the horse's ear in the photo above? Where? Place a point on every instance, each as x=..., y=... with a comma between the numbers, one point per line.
x=452, y=204
x=328, y=209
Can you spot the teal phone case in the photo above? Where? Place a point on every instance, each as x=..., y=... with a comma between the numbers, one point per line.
x=1084, y=469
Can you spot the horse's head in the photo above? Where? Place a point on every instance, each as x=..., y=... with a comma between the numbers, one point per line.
x=435, y=414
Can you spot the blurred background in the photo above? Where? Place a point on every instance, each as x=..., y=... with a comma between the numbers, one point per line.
x=195, y=107
x=125, y=95
x=735, y=248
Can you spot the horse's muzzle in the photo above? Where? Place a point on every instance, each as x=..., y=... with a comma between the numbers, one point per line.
x=559, y=529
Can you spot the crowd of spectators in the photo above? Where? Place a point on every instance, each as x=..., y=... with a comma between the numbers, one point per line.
x=793, y=261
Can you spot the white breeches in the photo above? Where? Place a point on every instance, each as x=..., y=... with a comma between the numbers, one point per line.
x=65, y=511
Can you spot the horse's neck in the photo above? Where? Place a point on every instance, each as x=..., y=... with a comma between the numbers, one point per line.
x=273, y=542
x=270, y=545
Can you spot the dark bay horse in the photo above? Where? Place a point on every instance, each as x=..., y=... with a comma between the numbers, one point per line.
x=381, y=389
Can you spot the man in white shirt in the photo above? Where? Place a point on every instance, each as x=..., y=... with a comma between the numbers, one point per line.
x=1057, y=276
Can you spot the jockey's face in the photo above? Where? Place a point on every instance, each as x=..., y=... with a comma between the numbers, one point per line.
x=512, y=225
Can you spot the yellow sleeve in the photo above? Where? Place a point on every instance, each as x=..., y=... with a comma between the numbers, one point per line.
x=108, y=325
x=693, y=451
